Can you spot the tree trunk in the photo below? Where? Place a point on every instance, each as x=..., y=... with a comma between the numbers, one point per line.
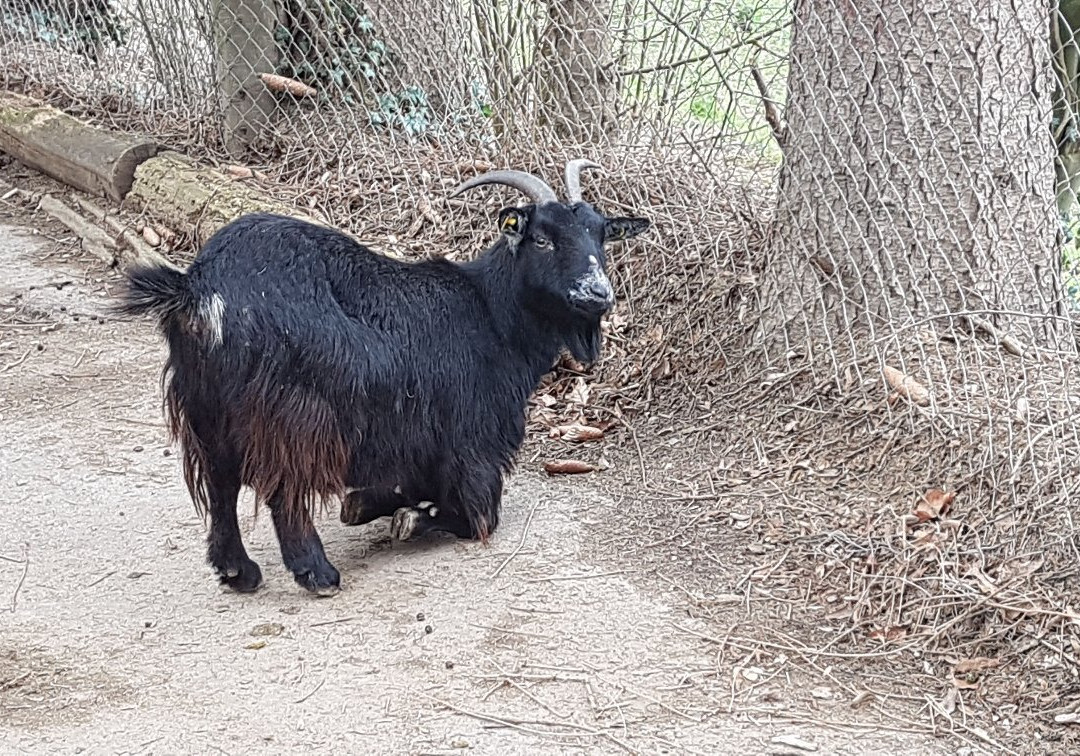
x=244, y=37
x=575, y=72
x=1065, y=24
x=918, y=174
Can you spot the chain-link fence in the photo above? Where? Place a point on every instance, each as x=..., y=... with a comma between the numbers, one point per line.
x=862, y=247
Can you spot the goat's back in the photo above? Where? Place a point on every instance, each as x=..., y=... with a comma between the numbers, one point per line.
x=309, y=346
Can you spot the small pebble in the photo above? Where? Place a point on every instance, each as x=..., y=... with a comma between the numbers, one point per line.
x=137, y=449
x=449, y=665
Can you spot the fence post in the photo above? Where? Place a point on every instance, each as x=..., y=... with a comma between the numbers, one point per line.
x=244, y=38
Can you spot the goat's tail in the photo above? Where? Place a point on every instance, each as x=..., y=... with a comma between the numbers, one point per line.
x=160, y=290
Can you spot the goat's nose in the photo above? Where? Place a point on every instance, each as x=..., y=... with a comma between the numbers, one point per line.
x=600, y=290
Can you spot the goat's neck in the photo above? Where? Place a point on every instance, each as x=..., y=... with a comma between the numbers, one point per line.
x=527, y=335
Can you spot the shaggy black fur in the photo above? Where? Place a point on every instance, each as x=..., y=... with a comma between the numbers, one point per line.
x=305, y=365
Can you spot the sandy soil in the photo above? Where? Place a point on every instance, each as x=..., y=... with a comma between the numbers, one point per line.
x=115, y=637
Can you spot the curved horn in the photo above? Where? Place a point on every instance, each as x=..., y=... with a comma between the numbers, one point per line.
x=572, y=175
x=535, y=188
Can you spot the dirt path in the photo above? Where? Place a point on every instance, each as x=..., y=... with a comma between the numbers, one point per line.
x=121, y=641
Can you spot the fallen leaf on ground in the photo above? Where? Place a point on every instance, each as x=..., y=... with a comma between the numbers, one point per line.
x=966, y=673
x=579, y=394
x=567, y=467
x=267, y=629
x=793, y=742
x=906, y=386
x=890, y=634
x=577, y=432
x=933, y=504
x=977, y=664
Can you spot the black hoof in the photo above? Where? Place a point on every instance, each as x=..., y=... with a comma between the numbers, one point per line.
x=320, y=579
x=242, y=577
x=406, y=524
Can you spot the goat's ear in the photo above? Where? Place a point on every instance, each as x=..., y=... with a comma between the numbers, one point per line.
x=617, y=229
x=512, y=222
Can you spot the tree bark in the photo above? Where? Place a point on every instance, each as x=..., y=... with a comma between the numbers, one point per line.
x=575, y=72
x=918, y=174
x=244, y=36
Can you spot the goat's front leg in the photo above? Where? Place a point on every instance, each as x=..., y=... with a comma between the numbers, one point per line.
x=301, y=548
x=365, y=505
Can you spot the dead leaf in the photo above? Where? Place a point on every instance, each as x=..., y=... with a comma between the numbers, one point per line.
x=890, y=634
x=862, y=699
x=267, y=629
x=933, y=504
x=791, y=741
x=579, y=394
x=567, y=467
x=576, y=432
x=976, y=664
x=284, y=84
x=906, y=386
x=948, y=704
x=239, y=171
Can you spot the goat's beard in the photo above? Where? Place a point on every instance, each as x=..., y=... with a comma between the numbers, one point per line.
x=584, y=340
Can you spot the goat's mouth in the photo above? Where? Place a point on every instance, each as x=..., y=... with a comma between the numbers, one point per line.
x=592, y=306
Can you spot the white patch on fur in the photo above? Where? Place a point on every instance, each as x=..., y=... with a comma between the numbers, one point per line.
x=594, y=277
x=397, y=490
x=212, y=313
x=433, y=511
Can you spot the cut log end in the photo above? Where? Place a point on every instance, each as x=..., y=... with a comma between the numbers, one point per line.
x=99, y=162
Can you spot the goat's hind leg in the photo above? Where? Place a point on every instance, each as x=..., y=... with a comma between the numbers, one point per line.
x=214, y=469
x=301, y=548
x=225, y=547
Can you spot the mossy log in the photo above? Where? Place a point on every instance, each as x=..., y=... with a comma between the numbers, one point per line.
x=98, y=162
x=188, y=196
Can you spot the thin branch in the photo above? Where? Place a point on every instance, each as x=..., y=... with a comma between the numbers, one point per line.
x=707, y=55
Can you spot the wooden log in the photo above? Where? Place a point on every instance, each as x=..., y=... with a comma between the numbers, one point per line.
x=185, y=195
x=98, y=162
x=94, y=240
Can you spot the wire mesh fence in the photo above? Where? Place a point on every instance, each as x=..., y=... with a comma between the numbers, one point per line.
x=862, y=249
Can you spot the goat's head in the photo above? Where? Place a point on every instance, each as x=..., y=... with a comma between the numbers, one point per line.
x=559, y=248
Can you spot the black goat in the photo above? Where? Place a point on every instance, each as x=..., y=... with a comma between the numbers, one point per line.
x=306, y=366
